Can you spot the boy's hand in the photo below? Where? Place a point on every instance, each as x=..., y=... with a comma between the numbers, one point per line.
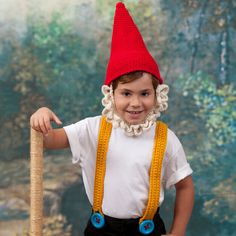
x=41, y=120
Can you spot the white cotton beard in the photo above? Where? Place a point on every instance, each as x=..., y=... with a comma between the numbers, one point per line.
x=134, y=130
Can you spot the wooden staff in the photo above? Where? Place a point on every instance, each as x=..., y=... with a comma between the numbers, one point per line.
x=36, y=181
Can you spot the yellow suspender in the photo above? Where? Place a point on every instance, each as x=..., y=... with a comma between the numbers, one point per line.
x=155, y=172
x=103, y=140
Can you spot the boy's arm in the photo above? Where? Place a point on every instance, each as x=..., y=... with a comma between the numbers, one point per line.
x=183, y=206
x=52, y=138
x=56, y=139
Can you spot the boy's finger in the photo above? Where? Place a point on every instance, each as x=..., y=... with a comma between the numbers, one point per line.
x=47, y=124
x=56, y=119
x=42, y=127
x=31, y=121
x=35, y=125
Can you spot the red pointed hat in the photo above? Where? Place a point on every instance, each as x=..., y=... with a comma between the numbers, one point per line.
x=128, y=50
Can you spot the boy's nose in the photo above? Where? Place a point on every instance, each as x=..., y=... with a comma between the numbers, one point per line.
x=135, y=101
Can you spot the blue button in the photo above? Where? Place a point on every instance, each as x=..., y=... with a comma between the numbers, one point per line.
x=146, y=227
x=97, y=220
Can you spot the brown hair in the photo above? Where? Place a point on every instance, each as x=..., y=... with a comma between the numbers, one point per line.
x=127, y=78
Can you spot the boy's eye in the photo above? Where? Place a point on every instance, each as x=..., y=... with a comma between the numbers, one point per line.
x=126, y=94
x=145, y=94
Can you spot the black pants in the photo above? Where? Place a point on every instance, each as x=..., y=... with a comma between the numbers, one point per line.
x=124, y=227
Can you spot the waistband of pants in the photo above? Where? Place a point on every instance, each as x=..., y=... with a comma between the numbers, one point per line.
x=130, y=220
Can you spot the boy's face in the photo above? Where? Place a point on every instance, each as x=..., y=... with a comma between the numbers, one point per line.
x=135, y=100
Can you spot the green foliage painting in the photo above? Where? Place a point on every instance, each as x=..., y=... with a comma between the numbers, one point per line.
x=54, y=53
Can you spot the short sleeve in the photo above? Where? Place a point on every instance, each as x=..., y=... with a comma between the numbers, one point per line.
x=82, y=138
x=176, y=164
x=74, y=141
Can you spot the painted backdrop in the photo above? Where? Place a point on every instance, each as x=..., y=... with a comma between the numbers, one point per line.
x=54, y=53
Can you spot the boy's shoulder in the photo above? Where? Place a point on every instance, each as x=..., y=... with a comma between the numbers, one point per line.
x=89, y=122
x=92, y=121
x=93, y=118
x=173, y=143
x=171, y=136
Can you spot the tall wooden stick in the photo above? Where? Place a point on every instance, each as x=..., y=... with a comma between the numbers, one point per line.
x=36, y=180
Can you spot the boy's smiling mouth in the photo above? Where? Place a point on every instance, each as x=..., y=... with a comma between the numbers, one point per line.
x=134, y=112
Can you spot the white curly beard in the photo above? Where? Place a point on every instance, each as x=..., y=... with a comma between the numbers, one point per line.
x=134, y=130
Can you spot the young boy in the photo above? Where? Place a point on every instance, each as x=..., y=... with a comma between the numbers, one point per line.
x=126, y=157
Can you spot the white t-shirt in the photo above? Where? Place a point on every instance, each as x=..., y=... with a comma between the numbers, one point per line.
x=128, y=162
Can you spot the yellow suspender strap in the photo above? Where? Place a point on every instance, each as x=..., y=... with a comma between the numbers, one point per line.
x=103, y=140
x=155, y=172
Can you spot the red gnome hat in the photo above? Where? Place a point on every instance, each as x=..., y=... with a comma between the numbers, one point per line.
x=128, y=50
